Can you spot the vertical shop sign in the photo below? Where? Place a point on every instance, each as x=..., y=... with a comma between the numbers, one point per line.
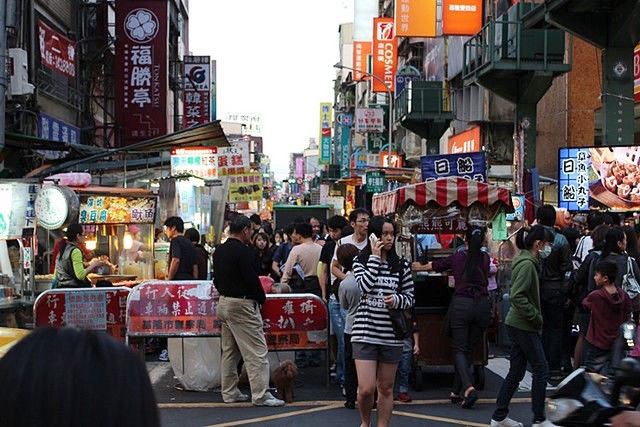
x=385, y=47
x=415, y=18
x=141, y=69
x=326, y=112
x=56, y=51
x=197, y=87
x=636, y=74
x=345, y=157
x=361, y=52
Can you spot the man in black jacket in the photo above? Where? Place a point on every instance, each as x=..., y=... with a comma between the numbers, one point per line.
x=553, y=295
x=241, y=296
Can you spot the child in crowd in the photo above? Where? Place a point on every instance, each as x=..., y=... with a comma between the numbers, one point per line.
x=411, y=346
x=610, y=306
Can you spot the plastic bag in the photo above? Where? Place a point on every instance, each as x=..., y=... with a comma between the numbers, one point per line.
x=201, y=362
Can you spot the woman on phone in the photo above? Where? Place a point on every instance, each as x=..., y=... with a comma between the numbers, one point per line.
x=385, y=282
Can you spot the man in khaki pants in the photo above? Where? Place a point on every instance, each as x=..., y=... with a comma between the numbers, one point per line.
x=241, y=296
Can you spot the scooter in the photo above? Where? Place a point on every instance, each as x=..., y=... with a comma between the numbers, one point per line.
x=589, y=399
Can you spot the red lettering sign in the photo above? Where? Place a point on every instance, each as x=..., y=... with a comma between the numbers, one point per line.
x=56, y=51
x=102, y=309
x=197, y=87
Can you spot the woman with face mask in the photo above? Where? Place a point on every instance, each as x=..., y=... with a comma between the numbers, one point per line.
x=524, y=326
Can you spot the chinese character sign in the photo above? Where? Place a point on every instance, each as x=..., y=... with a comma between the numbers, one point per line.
x=56, y=51
x=141, y=69
x=99, y=209
x=465, y=165
x=369, y=120
x=415, y=18
x=326, y=112
x=245, y=188
x=197, y=88
x=197, y=161
x=385, y=46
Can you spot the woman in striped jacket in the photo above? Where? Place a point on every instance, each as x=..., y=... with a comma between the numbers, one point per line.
x=385, y=282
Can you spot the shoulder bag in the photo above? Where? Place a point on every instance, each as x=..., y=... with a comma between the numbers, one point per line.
x=401, y=321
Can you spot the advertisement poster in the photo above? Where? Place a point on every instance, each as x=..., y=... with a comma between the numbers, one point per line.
x=465, y=165
x=599, y=178
x=116, y=209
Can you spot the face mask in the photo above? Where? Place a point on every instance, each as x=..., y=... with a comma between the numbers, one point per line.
x=545, y=252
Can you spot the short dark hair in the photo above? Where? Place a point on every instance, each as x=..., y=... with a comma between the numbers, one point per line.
x=546, y=215
x=346, y=254
x=238, y=224
x=594, y=219
x=255, y=218
x=609, y=269
x=175, y=221
x=353, y=215
x=75, y=374
x=73, y=231
x=337, y=222
x=303, y=228
x=192, y=234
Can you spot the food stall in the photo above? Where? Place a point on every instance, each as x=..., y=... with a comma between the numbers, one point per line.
x=442, y=206
x=119, y=224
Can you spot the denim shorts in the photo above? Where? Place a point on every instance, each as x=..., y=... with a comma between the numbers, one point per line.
x=378, y=352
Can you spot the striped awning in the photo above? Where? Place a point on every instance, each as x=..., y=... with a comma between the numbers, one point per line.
x=444, y=192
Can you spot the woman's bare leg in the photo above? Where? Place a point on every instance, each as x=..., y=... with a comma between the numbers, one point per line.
x=366, y=370
x=386, y=375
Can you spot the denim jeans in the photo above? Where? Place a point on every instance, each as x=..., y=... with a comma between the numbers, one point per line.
x=596, y=359
x=469, y=318
x=526, y=346
x=404, y=368
x=337, y=317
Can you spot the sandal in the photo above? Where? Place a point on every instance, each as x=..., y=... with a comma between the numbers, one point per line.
x=455, y=398
x=469, y=399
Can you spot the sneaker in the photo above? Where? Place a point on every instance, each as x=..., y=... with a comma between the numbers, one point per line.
x=241, y=397
x=545, y=423
x=269, y=400
x=403, y=397
x=164, y=356
x=507, y=422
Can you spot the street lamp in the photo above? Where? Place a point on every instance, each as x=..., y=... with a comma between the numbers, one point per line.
x=339, y=66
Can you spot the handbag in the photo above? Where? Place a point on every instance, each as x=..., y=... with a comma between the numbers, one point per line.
x=402, y=322
x=629, y=283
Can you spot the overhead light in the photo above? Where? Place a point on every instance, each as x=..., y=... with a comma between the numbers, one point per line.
x=127, y=240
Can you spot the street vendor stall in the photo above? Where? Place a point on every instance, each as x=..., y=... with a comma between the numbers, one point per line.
x=435, y=208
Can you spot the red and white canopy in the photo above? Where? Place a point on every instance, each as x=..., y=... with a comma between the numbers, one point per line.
x=443, y=191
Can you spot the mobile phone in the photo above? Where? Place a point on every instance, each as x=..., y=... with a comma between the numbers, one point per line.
x=373, y=238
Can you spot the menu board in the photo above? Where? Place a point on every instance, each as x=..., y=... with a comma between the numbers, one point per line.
x=599, y=178
x=98, y=209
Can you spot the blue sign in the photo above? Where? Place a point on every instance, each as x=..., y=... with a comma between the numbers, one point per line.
x=345, y=156
x=573, y=178
x=56, y=130
x=404, y=75
x=465, y=165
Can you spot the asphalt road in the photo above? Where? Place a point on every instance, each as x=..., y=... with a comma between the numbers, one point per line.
x=318, y=405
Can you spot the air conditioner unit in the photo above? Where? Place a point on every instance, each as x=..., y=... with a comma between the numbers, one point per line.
x=19, y=73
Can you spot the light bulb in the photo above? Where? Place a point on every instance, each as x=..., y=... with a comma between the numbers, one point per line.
x=91, y=244
x=127, y=241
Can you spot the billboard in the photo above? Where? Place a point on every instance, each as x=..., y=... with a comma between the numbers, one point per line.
x=197, y=90
x=141, y=69
x=415, y=18
x=464, y=142
x=465, y=165
x=56, y=51
x=461, y=17
x=599, y=178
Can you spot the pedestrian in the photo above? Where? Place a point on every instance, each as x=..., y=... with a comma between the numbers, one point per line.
x=349, y=298
x=410, y=348
x=241, y=296
x=70, y=271
x=262, y=253
x=183, y=263
x=281, y=253
x=306, y=254
x=469, y=312
x=554, y=294
x=385, y=282
x=202, y=256
x=524, y=326
x=316, y=230
x=610, y=306
x=67, y=377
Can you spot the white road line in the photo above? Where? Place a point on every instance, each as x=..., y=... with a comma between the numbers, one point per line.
x=500, y=367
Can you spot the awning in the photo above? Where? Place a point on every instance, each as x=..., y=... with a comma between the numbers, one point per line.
x=208, y=134
x=444, y=192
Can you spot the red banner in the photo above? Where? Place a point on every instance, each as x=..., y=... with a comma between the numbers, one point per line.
x=197, y=90
x=141, y=69
x=461, y=17
x=56, y=51
x=189, y=308
x=385, y=61
x=361, y=52
x=102, y=309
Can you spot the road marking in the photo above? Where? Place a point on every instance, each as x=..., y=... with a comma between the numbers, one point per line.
x=500, y=367
x=441, y=419
x=276, y=417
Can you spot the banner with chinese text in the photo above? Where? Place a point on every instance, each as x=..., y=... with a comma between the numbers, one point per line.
x=415, y=18
x=56, y=51
x=197, y=161
x=326, y=114
x=385, y=61
x=197, y=90
x=465, y=165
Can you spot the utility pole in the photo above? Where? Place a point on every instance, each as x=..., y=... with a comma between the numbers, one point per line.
x=3, y=68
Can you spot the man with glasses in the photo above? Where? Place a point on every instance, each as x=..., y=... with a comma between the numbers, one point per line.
x=241, y=296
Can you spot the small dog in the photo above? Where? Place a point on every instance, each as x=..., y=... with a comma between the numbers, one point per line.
x=283, y=378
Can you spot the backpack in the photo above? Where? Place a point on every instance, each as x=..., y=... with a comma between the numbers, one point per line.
x=581, y=279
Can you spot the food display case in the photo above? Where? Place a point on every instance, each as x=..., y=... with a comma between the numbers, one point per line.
x=442, y=206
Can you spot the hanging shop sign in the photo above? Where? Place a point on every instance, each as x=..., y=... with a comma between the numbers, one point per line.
x=17, y=208
x=376, y=181
x=599, y=178
x=441, y=225
x=466, y=165
x=326, y=114
x=385, y=61
x=461, y=17
x=361, y=53
x=197, y=90
x=406, y=74
x=234, y=160
x=107, y=209
x=141, y=69
x=56, y=51
x=245, y=188
x=415, y=18
x=369, y=120
x=464, y=142
x=197, y=161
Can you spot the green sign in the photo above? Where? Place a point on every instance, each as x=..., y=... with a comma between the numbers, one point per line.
x=376, y=181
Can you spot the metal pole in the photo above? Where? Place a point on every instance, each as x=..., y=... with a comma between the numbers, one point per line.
x=3, y=68
x=389, y=94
